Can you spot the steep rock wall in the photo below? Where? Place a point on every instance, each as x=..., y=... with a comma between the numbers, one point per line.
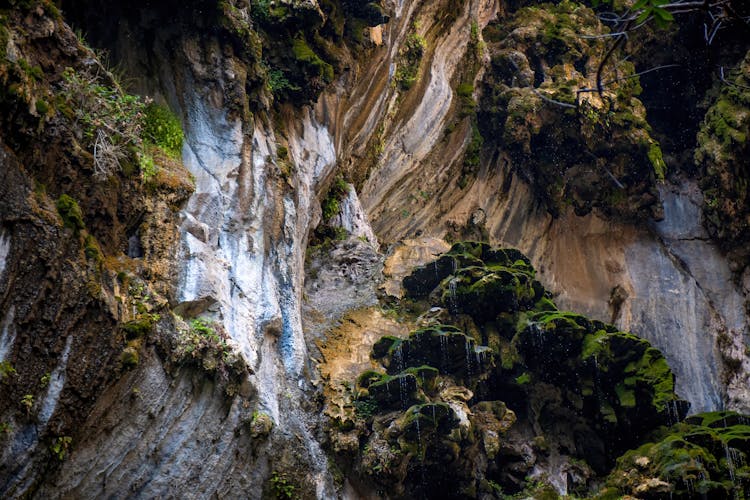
x=240, y=244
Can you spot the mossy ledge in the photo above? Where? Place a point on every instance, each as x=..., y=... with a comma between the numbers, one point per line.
x=448, y=409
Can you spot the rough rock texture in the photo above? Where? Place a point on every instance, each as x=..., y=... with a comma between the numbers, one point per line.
x=434, y=412
x=155, y=324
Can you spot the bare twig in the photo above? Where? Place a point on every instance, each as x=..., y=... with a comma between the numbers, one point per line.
x=553, y=101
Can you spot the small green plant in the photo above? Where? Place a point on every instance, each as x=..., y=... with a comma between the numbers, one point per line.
x=162, y=128
x=331, y=204
x=282, y=487
x=5, y=428
x=111, y=120
x=278, y=83
x=44, y=380
x=6, y=369
x=60, y=446
x=304, y=54
x=365, y=408
x=92, y=250
x=147, y=166
x=410, y=57
x=70, y=212
x=27, y=401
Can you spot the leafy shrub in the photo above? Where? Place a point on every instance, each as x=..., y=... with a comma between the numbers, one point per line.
x=6, y=369
x=162, y=128
x=111, y=120
x=410, y=57
x=278, y=83
x=60, y=446
x=70, y=212
x=282, y=487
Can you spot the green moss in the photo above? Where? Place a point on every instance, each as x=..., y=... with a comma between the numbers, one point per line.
x=465, y=90
x=369, y=377
x=42, y=108
x=129, y=357
x=657, y=161
x=140, y=327
x=523, y=379
x=162, y=128
x=410, y=57
x=33, y=72
x=332, y=203
x=70, y=212
x=282, y=486
x=626, y=396
x=688, y=458
x=92, y=250
x=305, y=55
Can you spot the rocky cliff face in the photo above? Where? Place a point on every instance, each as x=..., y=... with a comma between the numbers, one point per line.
x=203, y=295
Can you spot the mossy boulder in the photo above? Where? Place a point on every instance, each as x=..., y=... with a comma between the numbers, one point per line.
x=576, y=148
x=704, y=457
x=484, y=292
x=398, y=391
x=443, y=346
x=424, y=279
x=722, y=153
x=622, y=382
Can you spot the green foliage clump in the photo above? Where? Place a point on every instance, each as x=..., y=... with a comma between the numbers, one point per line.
x=140, y=327
x=6, y=369
x=70, y=212
x=60, y=446
x=657, y=160
x=304, y=54
x=162, y=128
x=92, y=250
x=129, y=357
x=282, y=487
x=409, y=58
x=27, y=401
x=331, y=203
x=148, y=167
x=365, y=408
x=111, y=120
x=205, y=344
x=465, y=90
x=278, y=83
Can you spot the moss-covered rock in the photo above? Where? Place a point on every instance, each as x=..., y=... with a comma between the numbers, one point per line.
x=703, y=457
x=575, y=147
x=441, y=405
x=443, y=346
x=722, y=153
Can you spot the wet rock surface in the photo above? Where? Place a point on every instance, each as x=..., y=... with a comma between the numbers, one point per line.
x=536, y=391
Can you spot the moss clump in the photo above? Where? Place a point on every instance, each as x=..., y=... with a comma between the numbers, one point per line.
x=657, y=161
x=129, y=357
x=42, y=108
x=722, y=152
x=305, y=55
x=92, y=250
x=574, y=148
x=140, y=327
x=697, y=458
x=162, y=128
x=410, y=57
x=70, y=212
x=332, y=203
